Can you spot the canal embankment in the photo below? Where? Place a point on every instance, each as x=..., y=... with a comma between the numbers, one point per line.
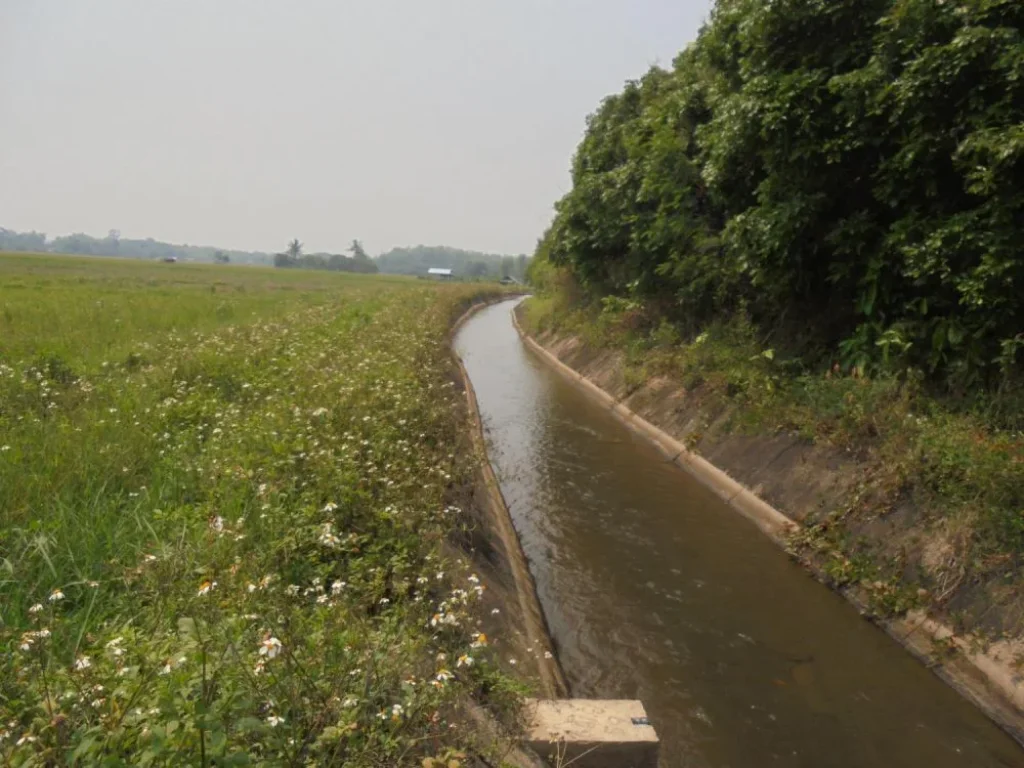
x=783, y=482
x=688, y=606
x=515, y=618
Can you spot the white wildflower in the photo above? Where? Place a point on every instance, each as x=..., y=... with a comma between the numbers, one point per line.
x=270, y=646
x=114, y=646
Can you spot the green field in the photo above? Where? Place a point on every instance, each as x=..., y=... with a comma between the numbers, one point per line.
x=224, y=492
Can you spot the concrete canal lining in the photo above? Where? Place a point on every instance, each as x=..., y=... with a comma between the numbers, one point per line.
x=988, y=677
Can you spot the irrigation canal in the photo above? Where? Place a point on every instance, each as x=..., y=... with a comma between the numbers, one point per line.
x=653, y=589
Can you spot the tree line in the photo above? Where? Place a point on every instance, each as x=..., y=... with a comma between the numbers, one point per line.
x=293, y=257
x=418, y=259
x=115, y=245
x=403, y=261
x=849, y=174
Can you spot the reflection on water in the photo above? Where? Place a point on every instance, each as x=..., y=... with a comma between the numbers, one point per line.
x=654, y=590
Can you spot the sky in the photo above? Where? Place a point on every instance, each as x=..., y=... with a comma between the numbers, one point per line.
x=244, y=123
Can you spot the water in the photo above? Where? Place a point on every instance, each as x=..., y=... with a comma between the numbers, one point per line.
x=653, y=589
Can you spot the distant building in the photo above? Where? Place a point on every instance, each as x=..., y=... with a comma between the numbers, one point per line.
x=509, y=280
x=439, y=274
x=169, y=259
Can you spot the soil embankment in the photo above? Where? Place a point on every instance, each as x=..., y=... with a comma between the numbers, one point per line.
x=780, y=481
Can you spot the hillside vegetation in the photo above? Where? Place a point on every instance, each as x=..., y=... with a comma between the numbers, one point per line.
x=812, y=225
x=223, y=499
x=848, y=174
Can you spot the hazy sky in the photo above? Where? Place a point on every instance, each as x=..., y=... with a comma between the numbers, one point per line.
x=243, y=123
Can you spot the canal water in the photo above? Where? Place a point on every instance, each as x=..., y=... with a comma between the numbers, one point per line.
x=653, y=589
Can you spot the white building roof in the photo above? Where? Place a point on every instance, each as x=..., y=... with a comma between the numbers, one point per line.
x=438, y=271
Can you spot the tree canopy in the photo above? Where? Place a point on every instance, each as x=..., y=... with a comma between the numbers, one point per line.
x=115, y=245
x=417, y=260
x=849, y=173
x=293, y=257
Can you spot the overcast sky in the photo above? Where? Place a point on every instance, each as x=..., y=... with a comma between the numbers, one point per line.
x=243, y=123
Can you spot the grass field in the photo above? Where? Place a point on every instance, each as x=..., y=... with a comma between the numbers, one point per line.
x=223, y=492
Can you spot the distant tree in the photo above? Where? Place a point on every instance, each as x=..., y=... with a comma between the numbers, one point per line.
x=477, y=269
x=220, y=257
x=508, y=266
x=357, y=250
x=417, y=260
x=521, y=266
x=360, y=261
x=78, y=243
x=115, y=245
x=294, y=250
x=22, y=241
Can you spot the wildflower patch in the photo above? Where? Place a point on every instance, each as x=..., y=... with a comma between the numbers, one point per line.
x=223, y=536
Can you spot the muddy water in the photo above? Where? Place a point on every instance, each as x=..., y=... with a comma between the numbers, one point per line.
x=654, y=590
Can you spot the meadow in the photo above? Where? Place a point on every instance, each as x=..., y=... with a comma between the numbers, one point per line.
x=224, y=494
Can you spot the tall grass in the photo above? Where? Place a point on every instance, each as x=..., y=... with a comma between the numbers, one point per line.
x=223, y=493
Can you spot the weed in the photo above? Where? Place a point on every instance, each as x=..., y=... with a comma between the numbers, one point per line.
x=222, y=513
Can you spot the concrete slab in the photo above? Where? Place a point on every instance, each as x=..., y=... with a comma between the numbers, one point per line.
x=592, y=733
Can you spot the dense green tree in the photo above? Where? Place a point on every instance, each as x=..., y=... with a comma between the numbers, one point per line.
x=849, y=173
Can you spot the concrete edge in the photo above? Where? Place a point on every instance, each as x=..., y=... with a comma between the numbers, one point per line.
x=985, y=679
x=518, y=755
x=551, y=675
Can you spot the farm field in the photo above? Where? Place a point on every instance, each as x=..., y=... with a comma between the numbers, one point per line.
x=223, y=495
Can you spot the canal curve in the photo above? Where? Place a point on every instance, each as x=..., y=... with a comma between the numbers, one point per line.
x=654, y=589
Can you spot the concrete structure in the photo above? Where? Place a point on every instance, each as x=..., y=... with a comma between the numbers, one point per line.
x=591, y=733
